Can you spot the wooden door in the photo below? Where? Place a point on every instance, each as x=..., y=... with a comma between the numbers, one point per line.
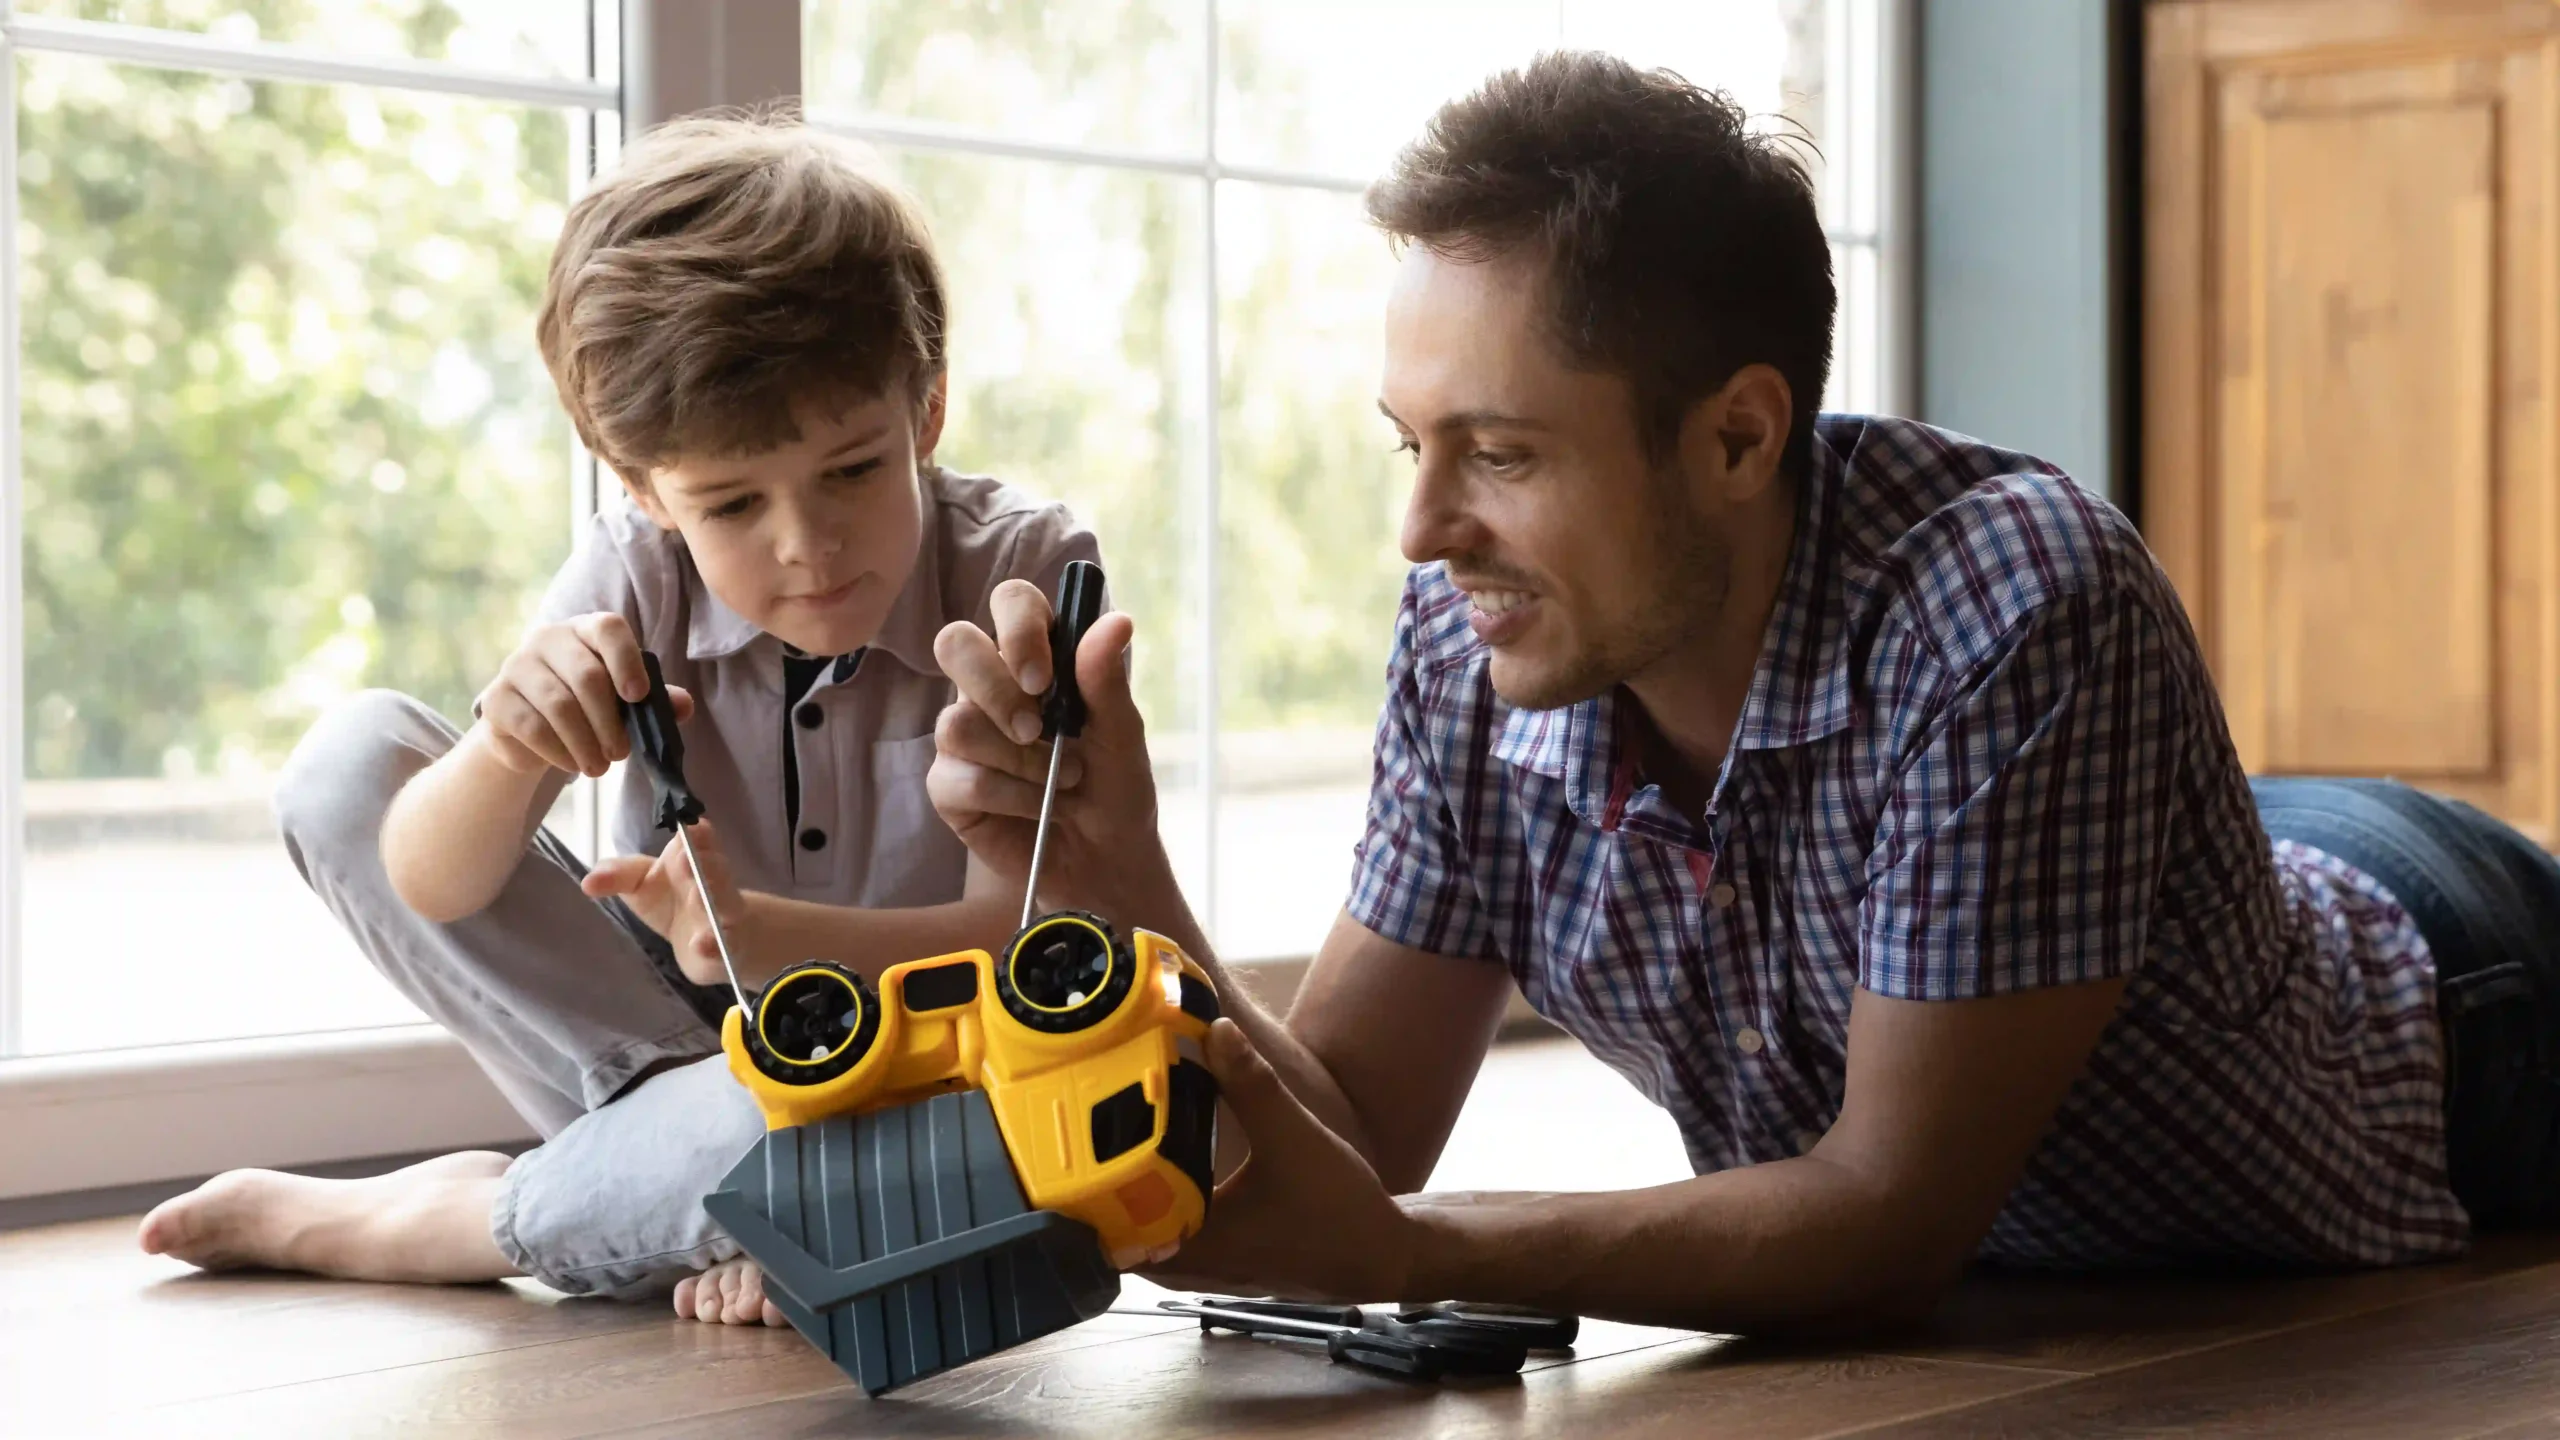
x=2351, y=377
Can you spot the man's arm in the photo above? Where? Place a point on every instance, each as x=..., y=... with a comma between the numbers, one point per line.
x=1399, y=1033
x=1945, y=1102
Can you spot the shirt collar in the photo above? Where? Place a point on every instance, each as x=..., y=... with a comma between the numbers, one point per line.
x=1800, y=688
x=716, y=631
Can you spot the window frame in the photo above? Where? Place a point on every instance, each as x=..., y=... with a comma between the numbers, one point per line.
x=159, y=1113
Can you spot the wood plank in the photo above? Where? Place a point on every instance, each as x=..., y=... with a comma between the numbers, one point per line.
x=2455, y=1364
x=2090, y=1326
x=1229, y=1386
x=82, y=1299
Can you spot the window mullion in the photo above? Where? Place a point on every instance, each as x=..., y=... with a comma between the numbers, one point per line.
x=1211, y=567
x=13, y=707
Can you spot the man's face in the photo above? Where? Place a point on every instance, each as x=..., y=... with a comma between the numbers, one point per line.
x=811, y=540
x=1587, y=562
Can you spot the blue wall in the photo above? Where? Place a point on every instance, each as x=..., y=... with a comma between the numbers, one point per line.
x=2026, y=242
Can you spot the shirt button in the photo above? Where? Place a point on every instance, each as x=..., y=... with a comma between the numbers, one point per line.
x=810, y=716
x=813, y=839
x=1721, y=895
x=1748, y=1041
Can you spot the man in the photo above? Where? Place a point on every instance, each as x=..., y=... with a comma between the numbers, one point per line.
x=1855, y=789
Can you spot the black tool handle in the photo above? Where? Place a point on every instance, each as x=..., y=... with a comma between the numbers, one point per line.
x=1292, y=1310
x=1386, y=1354
x=660, y=749
x=1079, y=604
x=1537, y=1329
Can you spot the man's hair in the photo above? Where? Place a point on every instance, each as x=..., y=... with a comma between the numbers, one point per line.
x=731, y=268
x=1678, y=245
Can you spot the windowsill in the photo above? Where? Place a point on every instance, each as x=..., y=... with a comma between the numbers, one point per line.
x=125, y=1117
x=136, y=1117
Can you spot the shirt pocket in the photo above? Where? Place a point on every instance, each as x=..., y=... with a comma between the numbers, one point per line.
x=915, y=859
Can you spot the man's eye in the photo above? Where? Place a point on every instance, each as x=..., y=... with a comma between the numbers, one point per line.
x=1502, y=462
x=1408, y=447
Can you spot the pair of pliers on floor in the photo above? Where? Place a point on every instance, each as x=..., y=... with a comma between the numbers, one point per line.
x=1419, y=1343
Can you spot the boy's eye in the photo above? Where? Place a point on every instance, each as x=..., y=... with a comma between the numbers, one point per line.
x=731, y=510
x=856, y=470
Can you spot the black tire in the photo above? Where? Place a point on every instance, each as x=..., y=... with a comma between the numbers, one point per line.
x=801, y=1030
x=1064, y=972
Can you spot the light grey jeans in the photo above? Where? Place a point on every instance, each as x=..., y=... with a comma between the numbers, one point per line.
x=561, y=1000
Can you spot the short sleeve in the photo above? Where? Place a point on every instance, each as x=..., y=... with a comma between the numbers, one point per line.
x=1042, y=544
x=2022, y=839
x=596, y=578
x=1410, y=882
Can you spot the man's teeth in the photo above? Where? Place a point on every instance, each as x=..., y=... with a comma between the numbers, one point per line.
x=1498, y=602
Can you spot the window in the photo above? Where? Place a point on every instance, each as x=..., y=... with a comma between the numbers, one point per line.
x=1166, y=310
x=280, y=432
x=281, y=435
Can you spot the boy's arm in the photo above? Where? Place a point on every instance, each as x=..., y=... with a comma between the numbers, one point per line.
x=455, y=832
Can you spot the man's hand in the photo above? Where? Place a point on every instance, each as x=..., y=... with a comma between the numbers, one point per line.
x=990, y=763
x=557, y=699
x=1305, y=1216
x=660, y=889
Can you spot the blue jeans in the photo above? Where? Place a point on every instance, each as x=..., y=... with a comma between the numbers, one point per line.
x=2488, y=902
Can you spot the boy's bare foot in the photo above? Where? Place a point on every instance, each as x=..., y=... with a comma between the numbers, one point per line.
x=729, y=1293
x=428, y=1223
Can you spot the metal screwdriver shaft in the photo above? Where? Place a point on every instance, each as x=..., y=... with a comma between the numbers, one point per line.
x=658, y=747
x=713, y=915
x=1062, y=711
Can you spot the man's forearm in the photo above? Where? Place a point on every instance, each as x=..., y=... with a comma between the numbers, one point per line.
x=1796, y=1245
x=1160, y=906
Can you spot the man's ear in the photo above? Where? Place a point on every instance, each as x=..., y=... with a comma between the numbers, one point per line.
x=937, y=398
x=1735, y=439
x=644, y=497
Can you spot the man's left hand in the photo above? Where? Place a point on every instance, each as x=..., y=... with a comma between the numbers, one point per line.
x=1305, y=1216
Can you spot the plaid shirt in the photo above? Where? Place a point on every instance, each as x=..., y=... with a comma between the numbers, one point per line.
x=1980, y=754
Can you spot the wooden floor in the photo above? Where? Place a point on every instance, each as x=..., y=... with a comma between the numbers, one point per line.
x=98, y=1339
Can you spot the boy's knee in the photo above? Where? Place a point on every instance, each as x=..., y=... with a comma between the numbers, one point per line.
x=333, y=791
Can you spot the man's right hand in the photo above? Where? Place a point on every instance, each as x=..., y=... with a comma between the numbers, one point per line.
x=990, y=762
x=557, y=699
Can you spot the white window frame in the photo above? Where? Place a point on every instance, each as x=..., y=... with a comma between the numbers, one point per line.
x=87, y=1121
x=82, y=1122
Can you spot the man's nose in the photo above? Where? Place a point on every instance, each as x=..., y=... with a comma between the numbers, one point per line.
x=1437, y=523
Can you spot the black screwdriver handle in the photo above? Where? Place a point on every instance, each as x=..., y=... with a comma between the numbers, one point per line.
x=1079, y=604
x=658, y=747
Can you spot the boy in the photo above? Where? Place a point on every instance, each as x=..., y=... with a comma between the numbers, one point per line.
x=749, y=329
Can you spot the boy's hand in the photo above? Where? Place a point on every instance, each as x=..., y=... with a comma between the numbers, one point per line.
x=990, y=762
x=557, y=699
x=660, y=889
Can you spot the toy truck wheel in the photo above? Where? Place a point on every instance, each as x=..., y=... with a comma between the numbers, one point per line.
x=1066, y=971
x=813, y=1023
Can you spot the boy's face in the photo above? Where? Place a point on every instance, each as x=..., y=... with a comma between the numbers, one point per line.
x=811, y=540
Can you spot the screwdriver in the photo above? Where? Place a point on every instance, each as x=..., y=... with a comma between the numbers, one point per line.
x=1062, y=711
x=658, y=747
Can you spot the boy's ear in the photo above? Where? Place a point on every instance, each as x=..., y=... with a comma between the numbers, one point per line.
x=646, y=499
x=929, y=425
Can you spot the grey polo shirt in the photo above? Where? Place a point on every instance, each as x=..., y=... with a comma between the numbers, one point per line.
x=867, y=834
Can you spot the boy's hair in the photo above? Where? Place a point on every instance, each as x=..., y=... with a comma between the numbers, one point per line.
x=733, y=267
x=1678, y=245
